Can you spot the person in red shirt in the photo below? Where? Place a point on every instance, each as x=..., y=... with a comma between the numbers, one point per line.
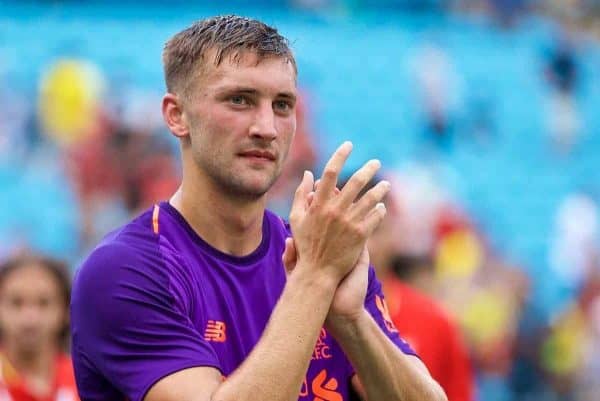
x=34, y=299
x=420, y=320
x=430, y=330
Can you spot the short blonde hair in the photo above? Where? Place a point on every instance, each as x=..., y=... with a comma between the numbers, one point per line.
x=223, y=36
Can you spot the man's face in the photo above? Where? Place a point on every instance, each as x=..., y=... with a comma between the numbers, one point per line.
x=242, y=119
x=32, y=310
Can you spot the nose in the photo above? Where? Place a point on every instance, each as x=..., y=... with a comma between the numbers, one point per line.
x=31, y=313
x=263, y=126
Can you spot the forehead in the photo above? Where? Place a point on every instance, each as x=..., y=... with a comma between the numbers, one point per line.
x=31, y=277
x=270, y=74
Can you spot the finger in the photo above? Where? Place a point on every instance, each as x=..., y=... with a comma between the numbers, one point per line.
x=370, y=199
x=306, y=186
x=289, y=255
x=336, y=190
x=332, y=171
x=310, y=198
x=374, y=218
x=358, y=181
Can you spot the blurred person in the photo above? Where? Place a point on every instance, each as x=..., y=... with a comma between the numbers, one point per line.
x=575, y=238
x=483, y=293
x=507, y=12
x=527, y=379
x=587, y=385
x=34, y=298
x=119, y=170
x=569, y=352
x=207, y=296
x=420, y=319
x=571, y=12
x=439, y=90
x=562, y=75
x=489, y=305
x=27, y=168
x=428, y=326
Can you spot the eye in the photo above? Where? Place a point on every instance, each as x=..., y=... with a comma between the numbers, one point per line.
x=282, y=105
x=16, y=302
x=43, y=302
x=238, y=100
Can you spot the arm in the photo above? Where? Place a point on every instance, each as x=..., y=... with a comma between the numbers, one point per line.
x=328, y=241
x=275, y=368
x=385, y=372
x=385, y=369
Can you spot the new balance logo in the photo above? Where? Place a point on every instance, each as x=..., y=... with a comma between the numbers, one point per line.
x=215, y=331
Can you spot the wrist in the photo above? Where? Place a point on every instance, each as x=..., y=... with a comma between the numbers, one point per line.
x=347, y=326
x=317, y=281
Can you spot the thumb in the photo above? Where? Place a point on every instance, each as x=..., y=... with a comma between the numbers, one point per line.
x=306, y=186
x=364, y=259
x=289, y=255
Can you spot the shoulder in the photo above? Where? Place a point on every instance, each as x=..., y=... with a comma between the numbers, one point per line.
x=128, y=256
x=132, y=243
x=425, y=304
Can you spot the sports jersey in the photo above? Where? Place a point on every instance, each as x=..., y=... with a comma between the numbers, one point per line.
x=13, y=387
x=154, y=298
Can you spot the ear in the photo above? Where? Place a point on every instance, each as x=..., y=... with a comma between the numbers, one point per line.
x=172, y=110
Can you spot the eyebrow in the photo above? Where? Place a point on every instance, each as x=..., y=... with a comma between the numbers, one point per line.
x=252, y=91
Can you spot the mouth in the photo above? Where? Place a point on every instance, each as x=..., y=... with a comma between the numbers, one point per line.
x=259, y=155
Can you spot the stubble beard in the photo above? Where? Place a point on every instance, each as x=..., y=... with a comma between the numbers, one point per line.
x=233, y=183
x=227, y=180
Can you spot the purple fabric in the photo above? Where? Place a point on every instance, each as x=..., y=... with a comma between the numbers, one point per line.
x=146, y=304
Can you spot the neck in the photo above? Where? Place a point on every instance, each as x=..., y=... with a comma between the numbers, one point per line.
x=33, y=364
x=228, y=223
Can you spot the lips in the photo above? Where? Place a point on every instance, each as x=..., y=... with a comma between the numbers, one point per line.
x=261, y=154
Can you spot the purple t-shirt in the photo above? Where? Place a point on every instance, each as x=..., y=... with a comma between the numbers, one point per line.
x=154, y=298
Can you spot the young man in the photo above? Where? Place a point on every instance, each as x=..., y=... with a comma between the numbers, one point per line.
x=34, y=299
x=191, y=301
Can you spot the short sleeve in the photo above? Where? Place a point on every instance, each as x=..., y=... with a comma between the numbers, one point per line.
x=129, y=325
x=377, y=307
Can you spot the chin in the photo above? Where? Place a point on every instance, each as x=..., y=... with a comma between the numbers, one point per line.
x=254, y=186
x=29, y=348
x=255, y=191
x=246, y=190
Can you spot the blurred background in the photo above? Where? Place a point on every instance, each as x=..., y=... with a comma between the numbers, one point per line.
x=484, y=113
